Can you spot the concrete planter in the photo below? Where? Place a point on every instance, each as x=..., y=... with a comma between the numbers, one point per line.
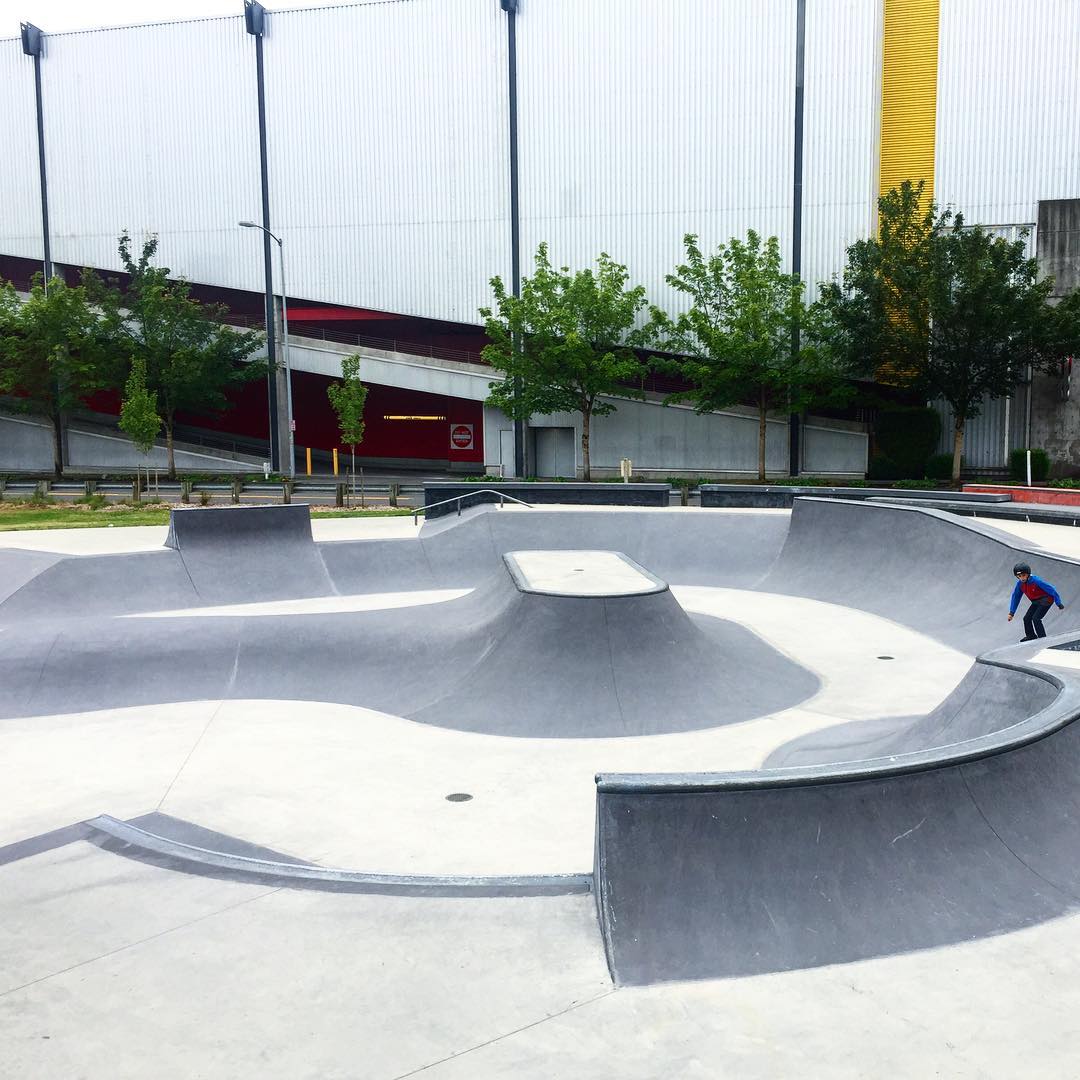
x=567, y=494
x=779, y=496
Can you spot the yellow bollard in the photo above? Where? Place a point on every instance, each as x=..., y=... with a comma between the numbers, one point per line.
x=309, y=461
x=335, y=461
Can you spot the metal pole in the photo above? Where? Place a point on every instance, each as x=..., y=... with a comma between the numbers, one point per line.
x=285, y=352
x=33, y=42
x=255, y=21
x=510, y=7
x=794, y=447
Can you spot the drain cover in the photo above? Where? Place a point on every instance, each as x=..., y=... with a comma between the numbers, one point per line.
x=458, y=796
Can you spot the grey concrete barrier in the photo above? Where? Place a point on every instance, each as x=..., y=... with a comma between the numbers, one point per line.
x=766, y=496
x=729, y=875
x=545, y=493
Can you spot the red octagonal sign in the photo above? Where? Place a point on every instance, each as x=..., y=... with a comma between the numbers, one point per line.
x=461, y=436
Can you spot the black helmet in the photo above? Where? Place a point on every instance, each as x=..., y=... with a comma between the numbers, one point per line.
x=1021, y=568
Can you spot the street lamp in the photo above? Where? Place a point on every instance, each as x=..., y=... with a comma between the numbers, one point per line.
x=285, y=342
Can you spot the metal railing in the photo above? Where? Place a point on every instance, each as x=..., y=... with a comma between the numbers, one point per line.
x=468, y=495
x=413, y=348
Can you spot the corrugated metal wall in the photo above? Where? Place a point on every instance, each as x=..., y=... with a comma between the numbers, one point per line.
x=1008, y=101
x=1001, y=426
x=388, y=153
x=909, y=93
x=643, y=121
x=640, y=120
x=843, y=70
x=20, y=197
x=154, y=128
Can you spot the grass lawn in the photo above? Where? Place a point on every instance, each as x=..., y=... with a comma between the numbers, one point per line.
x=18, y=516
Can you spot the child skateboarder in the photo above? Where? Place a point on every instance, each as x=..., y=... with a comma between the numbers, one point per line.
x=1042, y=595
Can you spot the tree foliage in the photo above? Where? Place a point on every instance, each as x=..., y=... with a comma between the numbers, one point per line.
x=566, y=343
x=949, y=310
x=191, y=359
x=348, y=396
x=736, y=337
x=55, y=350
x=876, y=318
x=139, y=418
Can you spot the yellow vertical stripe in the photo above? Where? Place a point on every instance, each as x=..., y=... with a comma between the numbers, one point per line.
x=909, y=94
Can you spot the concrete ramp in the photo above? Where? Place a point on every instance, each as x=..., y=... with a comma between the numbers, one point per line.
x=939, y=574
x=251, y=553
x=588, y=644
x=704, y=876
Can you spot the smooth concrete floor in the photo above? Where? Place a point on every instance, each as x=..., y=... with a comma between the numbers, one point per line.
x=112, y=970
x=286, y=774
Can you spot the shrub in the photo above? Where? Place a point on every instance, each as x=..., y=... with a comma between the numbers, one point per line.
x=926, y=484
x=1040, y=465
x=883, y=468
x=906, y=436
x=939, y=466
x=815, y=481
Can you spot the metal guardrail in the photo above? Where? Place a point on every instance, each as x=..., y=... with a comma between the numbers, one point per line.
x=468, y=495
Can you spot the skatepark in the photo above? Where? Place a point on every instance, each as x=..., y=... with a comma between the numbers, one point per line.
x=539, y=791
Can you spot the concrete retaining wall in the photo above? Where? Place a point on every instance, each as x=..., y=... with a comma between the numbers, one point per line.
x=26, y=446
x=762, y=496
x=666, y=440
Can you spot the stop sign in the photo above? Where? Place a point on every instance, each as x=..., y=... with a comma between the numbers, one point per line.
x=461, y=436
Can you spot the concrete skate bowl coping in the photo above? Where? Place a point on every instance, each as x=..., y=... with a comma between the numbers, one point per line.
x=742, y=820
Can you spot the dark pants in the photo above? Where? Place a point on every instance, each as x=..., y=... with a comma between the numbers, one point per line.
x=1033, y=626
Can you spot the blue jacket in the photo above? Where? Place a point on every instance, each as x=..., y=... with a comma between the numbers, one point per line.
x=1038, y=582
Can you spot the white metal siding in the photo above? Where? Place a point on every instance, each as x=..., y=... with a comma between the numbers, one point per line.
x=154, y=129
x=388, y=153
x=840, y=140
x=643, y=121
x=1008, y=102
x=640, y=120
x=20, y=196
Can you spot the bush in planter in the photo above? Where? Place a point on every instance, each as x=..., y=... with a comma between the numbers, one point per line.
x=906, y=437
x=883, y=468
x=939, y=467
x=926, y=484
x=1040, y=465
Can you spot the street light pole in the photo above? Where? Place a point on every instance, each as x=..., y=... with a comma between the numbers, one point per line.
x=291, y=469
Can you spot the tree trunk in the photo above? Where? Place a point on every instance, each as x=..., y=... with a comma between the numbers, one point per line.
x=169, y=447
x=58, y=442
x=761, y=439
x=958, y=449
x=586, y=416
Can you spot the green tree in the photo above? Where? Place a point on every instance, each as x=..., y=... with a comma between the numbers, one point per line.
x=735, y=339
x=348, y=396
x=139, y=418
x=944, y=309
x=990, y=317
x=567, y=342
x=55, y=351
x=191, y=359
x=876, y=318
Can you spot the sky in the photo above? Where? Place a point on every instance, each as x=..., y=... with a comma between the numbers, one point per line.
x=54, y=16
